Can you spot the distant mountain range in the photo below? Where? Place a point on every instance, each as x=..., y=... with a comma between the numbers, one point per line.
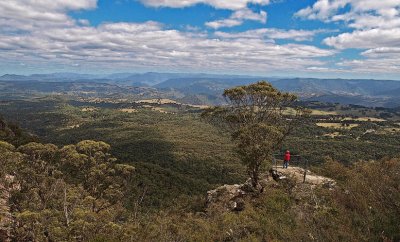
x=201, y=88
x=126, y=79
x=346, y=91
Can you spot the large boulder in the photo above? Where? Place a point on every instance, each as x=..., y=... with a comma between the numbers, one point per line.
x=231, y=197
x=227, y=197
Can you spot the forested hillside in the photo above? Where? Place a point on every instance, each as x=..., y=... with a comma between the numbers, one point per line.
x=118, y=170
x=75, y=193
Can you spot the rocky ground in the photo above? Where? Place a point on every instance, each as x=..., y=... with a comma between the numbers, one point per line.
x=232, y=197
x=297, y=174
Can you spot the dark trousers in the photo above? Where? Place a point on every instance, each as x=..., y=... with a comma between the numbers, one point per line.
x=285, y=164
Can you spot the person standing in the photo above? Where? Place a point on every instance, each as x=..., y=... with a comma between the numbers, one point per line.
x=286, y=159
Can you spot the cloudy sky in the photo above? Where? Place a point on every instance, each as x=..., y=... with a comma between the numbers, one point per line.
x=315, y=38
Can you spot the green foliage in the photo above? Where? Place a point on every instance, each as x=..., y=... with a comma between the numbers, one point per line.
x=13, y=134
x=78, y=191
x=175, y=154
x=363, y=207
x=254, y=116
x=4, y=146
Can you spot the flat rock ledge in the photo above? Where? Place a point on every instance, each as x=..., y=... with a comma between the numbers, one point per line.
x=231, y=197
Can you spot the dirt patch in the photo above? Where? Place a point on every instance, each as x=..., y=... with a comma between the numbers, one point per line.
x=198, y=106
x=128, y=110
x=337, y=125
x=392, y=130
x=88, y=109
x=333, y=135
x=157, y=109
x=157, y=101
x=73, y=126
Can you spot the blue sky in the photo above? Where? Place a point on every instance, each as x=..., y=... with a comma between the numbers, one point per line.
x=305, y=38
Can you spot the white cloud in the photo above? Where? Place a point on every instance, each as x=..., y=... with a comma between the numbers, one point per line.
x=240, y=8
x=358, y=14
x=365, y=39
x=317, y=68
x=250, y=15
x=393, y=52
x=327, y=9
x=224, y=23
x=19, y=15
x=272, y=33
x=151, y=45
x=221, y=4
x=376, y=30
x=322, y=9
x=238, y=17
x=83, y=22
x=372, y=66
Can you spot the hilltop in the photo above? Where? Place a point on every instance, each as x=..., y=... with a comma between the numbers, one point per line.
x=206, y=89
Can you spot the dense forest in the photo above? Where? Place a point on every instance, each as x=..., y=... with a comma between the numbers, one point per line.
x=84, y=170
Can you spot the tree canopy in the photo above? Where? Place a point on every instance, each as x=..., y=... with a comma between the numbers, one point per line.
x=259, y=117
x=64, y=194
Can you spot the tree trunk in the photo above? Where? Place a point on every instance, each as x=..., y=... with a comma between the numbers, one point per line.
x=254, y=177
x=66, y=214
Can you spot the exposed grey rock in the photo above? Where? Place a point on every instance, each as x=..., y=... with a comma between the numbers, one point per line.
x=232, y=197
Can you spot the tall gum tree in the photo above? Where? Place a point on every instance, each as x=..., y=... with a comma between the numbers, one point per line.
x=259, y=117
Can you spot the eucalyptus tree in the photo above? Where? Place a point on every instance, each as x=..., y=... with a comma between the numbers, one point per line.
x=259, y=117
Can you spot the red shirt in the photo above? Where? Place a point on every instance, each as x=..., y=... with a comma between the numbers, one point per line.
x=287, y=157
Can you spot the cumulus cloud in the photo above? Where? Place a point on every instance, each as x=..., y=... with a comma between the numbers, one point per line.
x=322, y=9
x=40, y=33
x=329, y=9
x=240, y=8
x=43, y=34
x=28, y=14
x=364, y=39
x=224, y=23
x=273, y=33
x=391, y=52
x=148, y=44
x=250, y=15
x=375, y=28
x=362, y=15
x=370, y=16
x=238, y=17
x=221, y=4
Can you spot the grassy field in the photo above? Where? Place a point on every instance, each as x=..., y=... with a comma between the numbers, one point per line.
x=337, y=125
x=365, y=119
x=322, y=112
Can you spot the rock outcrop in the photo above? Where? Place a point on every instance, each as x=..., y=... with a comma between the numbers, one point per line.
x=231, y=197
x=297, y=174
